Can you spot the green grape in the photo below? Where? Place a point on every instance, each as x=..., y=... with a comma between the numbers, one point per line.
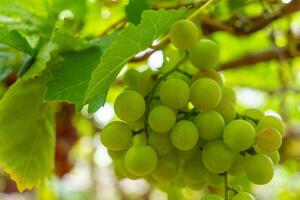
x=116, y=136
x=205, y=54
x=184, y=155
x=209, y=73
x=206, y=94
x=238, y=166
x=137, y=125
x=217, y=157
x=146, y=82
x=132, y=79
x=120, y=164
x=119, y=175
x=227, y=110
x=183, y=34
x=174, y=93
x=161, y=143
x=243, y=196
x=239, y=135
x=140, y=160
x=184, y=135
x=161, y=119
x=194, y=169
x=275, y=156
x=210, y=125
x=259, y=169
x=269, y=139
x=196, y=186
x=140, y=138
x=241, y=183
x=174, y=193
x=253, y=113
x=211, y=197
x=129, y=106
x=228, y=94
x=270, y=122
x=214, y=180
x=166, y=168
x=115, y=155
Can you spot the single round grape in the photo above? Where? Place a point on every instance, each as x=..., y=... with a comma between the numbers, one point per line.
x=275, y=156
x=253, y=113
x=116, y=136
x=183, y=34
x=238, y=166
x=146, y=82
x=269, y=139
x=132, y=79
x=140, y=160
x=119, y=175
x=227, y=110
x=239, y=135
x=140, y=138
x=211, y=197
x=217, y=157
x=205, y=54
x=228, y=94
x=214, y=180
x=210, y=125
x=206, y=94
x=259, y=169
x=115, y=155
x=129, y=106
x=137, y=125
x=166, y=168
x=174, y=193
x=243, y=196
x=209, y=73
x=174, y=93
x=270, y=122
x=161, y=119
x=194, y=169
x=120, y=164
x=161, y=143
x=184, y=135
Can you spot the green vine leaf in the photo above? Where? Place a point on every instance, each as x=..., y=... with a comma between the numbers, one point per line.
x=129, y=42
x=26, y=134
x=135, y=9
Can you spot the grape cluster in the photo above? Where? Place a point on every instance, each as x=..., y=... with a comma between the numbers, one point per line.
x=185, y=132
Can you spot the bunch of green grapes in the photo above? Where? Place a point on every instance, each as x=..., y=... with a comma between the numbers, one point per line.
x=186, y=132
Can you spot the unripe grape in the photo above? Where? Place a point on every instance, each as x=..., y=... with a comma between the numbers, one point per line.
x=243, y=196
x=209, y=73
x=210, y=125
x=260, y=169
x=132, y=79
x=166, y=168
x=211, y=197
x=174, y=93
x=238, y=166
x=140, y=138
x=275, y=156
x=239, y=135
x=120, y=164
x=118, y=172
x=115, y=155
x=129, y=106
x=217, y=157
x=146, y=82
x=227, y=110
x=140, y=160
x=205, y=54
x=116, y=136
x=183, y=34
x=228, y=94
x=184, y=155
x=196, y=186
x=269, y=139
x=194, y=169
x=253, y=113
x=137, y=125
x=184, y=135
x=214, y=180
x=161, y=119
x=206, y=94
x=271, y=122
x=161, y=143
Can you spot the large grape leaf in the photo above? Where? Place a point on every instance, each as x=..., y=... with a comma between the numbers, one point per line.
x=135, y=9
x=129, y=42
x=14, y=39
x=26, y=134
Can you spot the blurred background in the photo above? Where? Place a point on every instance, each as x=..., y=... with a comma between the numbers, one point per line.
x=260, y=42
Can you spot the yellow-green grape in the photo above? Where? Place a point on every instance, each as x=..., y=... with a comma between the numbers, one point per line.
x=214, y=180
x=269, y=139
x=115, y=155
x=183, y=34
x=184, y=135
x=243, y=196
x=238, y=166
x=161, y=143
x=137, y=125
x=174, y=193
x=227, y=110
x=119, y=175
x=209, y=73
x=275, y=156
x=259, y=169
x=140, y=138
x=205, y=54
x=161, y=119
x=229, y=94
x=116, y=136
x=196, y=186
x=146, y=82
x=210, y=125
x=194, y=169
x=129, y=106
x=132, y=79
x=166, y=168
x=174, y=93
x=217, y=157
x=140, y=160
x=240, y=183
x=184, y=155
x=206, y=94
x=120, y=164
x=271, y=122
x=211, y=197
x=253, y=113
x=239, y=135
